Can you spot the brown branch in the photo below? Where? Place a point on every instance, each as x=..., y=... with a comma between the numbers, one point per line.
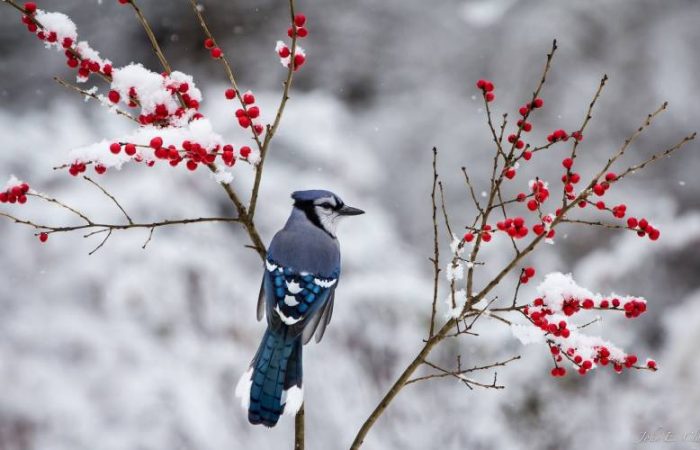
x=436, y=247
x=151, y=37
x=471, y=190
x=460, y=371
x=227, y=67
x=272, y=129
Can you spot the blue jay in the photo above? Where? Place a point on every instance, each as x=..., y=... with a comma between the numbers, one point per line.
x=298, y=288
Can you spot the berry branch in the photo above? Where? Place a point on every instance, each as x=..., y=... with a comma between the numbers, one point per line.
x=171, y=129
x=550, y=318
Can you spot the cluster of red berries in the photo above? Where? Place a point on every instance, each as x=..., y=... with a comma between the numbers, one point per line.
x=15, y=194
x=541, y=194
x=161, y=115
x=214, y=51
x=558, y=135
x=544, y=227
x=513, y=139
x=284, y=53
x=485, y=234
x=515, y=227
x=487, y=88
x=539, y=315
x=602, y=357
x=526, y=274
x=298, y=27
x=192, y=152
x=526, y=108
x=74, y=59
x=643, y=228
x=247, y=115
x=77, y=168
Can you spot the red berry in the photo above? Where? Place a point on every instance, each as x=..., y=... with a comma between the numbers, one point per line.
x=284, y=52
x=43, y=237
x=244, y=151
x=253, y=112
x=191, y=165
x=489, y=87
x=230, y=94
x=610, y=176
x=523, y=110
x=258, y=128
x=486, y=237
x=248, y=98
x=156, y=142
x=490, y=96
x=587, y=303
x=100, y=169
x=299, y=60
x=299, y=20
x=216, y=53
x=130, y=149
x=651, y=364
x=468, y=237
x=530, y=272
x=30, y=7
x=527, y=155
x=113, y=96
x=244, y=122
x=209, y=43
x=567, y=163
x=537, y=103
x=532, y=205
x=115, y=147
x=302, y=32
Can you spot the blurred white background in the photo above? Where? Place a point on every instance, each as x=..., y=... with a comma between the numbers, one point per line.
x=141, y=349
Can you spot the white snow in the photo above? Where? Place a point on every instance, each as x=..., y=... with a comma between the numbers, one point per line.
x=292, y=399
x=455, y=304
x=527, y=333
x=59, y=23
x=454, y=271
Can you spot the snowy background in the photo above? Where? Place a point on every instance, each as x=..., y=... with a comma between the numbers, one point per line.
x=141, y=349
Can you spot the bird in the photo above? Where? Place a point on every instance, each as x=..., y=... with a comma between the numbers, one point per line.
x=301, y=274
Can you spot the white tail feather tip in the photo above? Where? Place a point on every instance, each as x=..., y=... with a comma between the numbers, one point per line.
x=243, y=388
x=292, y=399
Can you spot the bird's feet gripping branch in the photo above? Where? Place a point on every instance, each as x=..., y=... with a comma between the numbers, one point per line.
x=300, y=276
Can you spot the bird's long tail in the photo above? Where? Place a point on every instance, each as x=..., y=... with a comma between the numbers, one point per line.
x=273, y=383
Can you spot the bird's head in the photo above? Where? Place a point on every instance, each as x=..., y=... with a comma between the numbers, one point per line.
x=323, y=208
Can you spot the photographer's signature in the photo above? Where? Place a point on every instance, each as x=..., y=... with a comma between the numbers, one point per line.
x=661, y=435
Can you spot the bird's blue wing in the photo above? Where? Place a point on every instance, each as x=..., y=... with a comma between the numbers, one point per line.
x=294, y=299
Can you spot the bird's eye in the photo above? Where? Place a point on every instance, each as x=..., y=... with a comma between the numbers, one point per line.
x=326, y=205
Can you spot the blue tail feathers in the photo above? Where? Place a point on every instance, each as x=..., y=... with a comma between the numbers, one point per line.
x=274, y=373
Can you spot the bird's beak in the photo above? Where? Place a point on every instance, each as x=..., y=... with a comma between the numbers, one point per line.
x=350, y=211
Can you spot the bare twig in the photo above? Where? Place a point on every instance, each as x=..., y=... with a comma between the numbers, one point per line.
x=111, y=197
x=436, y=247
x=272, y=129
x=68, y=85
